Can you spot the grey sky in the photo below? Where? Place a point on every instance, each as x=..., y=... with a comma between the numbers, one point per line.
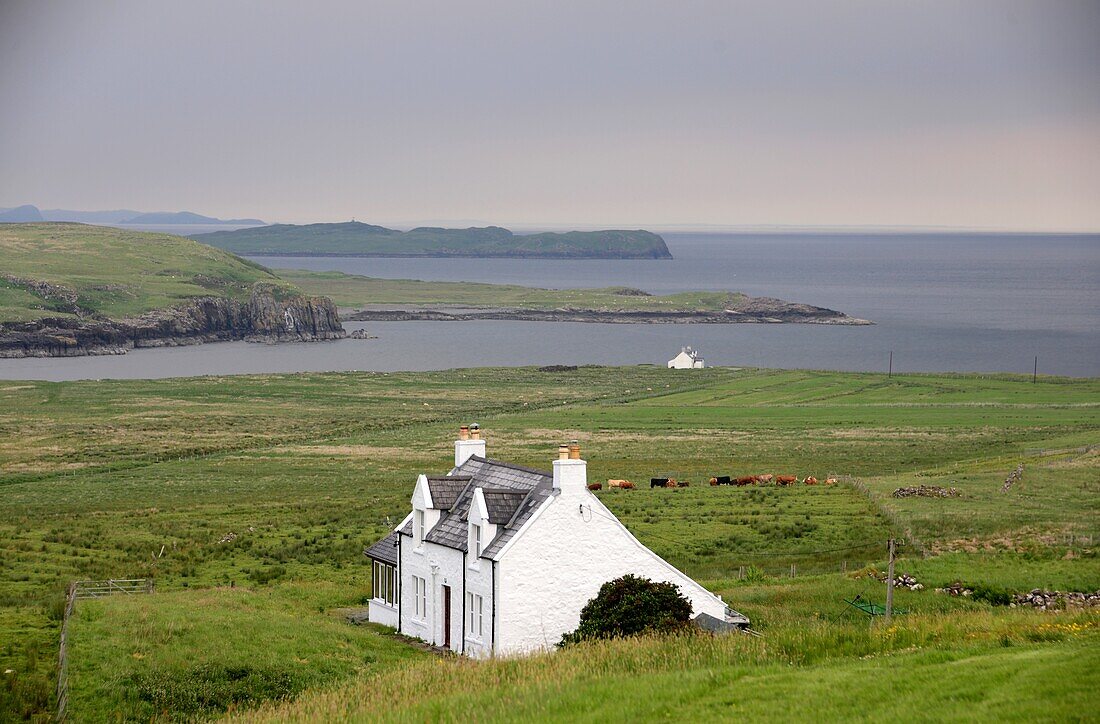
x=968, y=113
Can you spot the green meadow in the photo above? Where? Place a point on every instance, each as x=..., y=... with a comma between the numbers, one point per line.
x=249, y=499
x=350, y=290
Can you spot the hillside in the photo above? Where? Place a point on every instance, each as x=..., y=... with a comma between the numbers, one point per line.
x=20, y=214
x=74, y=289
x=358, y=239
x=250, y=500
x=184, y=217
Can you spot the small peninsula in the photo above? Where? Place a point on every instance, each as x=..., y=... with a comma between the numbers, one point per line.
x=71, y=289
x=355, y=238
x=398, y=300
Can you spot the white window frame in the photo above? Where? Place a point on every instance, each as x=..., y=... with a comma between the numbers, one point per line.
x=475, y=616
x=477, y=540
x=420, y=597
x=384, y=583
x=418, y=527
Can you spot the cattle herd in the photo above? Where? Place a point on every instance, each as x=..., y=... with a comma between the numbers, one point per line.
x=769, y=479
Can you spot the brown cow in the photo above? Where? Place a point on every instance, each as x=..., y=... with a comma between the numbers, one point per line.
x=810, y=480
x=714, y=481
x=765, y=479
x=747, y=480
x=785, y=479
x=627, y=485
x=619, y=484
x=830, y=481
x=682, y=483
x=595, y=486
x=671, y=483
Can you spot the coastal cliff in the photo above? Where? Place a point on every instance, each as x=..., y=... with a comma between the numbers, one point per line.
x=268, y=315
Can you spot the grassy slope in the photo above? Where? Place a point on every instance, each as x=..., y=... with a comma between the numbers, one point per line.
x=306, y=469
x=349, y=290
x=974, y=667
x=356, y=238
x=115, y=273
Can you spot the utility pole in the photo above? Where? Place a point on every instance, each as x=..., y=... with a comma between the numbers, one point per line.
x=890, y=585
x=890, y=373
x=1035, y=370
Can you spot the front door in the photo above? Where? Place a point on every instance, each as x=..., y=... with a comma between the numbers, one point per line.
x=447, y=617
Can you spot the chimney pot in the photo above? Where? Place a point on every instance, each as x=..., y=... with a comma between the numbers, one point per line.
x=574, y=450
x=563, y=452
x=475, y=431
x=464, y=432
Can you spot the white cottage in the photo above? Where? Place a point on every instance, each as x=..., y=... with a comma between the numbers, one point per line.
x=688, y=359
x=499, y=559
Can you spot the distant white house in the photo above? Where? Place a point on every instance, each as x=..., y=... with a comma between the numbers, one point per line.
x=688, y=359
x=499, y=559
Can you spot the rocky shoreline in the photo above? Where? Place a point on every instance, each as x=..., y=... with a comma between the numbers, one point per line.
x=757, y=311
x=263, y=317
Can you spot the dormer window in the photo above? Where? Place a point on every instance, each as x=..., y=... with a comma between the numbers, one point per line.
x=476, y=546
x=418, y=527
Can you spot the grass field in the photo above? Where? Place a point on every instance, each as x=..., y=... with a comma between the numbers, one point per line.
x=349, y=290
x=307, y=469
x=113, y=272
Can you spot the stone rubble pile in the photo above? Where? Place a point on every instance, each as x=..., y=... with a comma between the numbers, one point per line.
x=1013, y=477
x=926, y=491
x=1056, y=600
x=956, y=589
x=903, y=580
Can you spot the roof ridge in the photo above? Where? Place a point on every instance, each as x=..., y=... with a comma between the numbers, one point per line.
x=514, y=466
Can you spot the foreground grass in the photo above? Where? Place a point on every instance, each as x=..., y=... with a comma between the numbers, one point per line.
x=964, y=667
x=193, y=653
x=147, y=478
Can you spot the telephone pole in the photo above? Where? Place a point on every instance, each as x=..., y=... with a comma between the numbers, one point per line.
x=1035, y=370
x=890, y=373
x=890, y=585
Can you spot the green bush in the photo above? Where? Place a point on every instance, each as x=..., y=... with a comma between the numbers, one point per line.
x=628, y=606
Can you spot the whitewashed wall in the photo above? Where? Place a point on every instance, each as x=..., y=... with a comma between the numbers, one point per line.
x=571, y=548
x=383, y=613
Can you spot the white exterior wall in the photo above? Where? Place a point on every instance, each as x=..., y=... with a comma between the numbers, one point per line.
x=439, y=566
x=548, y=572
x=479, y=580
x=381, y=612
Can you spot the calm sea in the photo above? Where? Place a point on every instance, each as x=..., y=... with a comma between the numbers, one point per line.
x=941, y=302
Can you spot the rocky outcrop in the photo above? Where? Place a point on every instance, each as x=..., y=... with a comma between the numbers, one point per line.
x=788, y=314
x=268, y=315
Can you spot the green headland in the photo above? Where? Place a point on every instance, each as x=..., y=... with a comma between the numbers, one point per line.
x=354, y=238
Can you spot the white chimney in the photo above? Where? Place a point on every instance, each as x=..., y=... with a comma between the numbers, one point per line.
x=469, y=443
x=570, y=472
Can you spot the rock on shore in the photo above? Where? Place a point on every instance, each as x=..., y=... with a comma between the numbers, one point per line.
x=267, y=316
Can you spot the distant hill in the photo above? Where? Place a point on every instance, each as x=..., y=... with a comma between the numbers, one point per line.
x=71, y=289
x=20, y=214
x=184, y=217
x=358, y=239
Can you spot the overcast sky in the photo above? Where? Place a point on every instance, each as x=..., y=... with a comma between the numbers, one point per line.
x=973, y=114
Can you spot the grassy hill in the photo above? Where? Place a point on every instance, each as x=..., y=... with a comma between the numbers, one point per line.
x=64, y=269
x=358, y=239
x=349, y=290
x=97, y=476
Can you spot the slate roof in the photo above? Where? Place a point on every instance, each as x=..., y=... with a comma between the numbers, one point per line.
x=512, y=494
x=502, y=504
x=384, y=550
x=446, y=489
